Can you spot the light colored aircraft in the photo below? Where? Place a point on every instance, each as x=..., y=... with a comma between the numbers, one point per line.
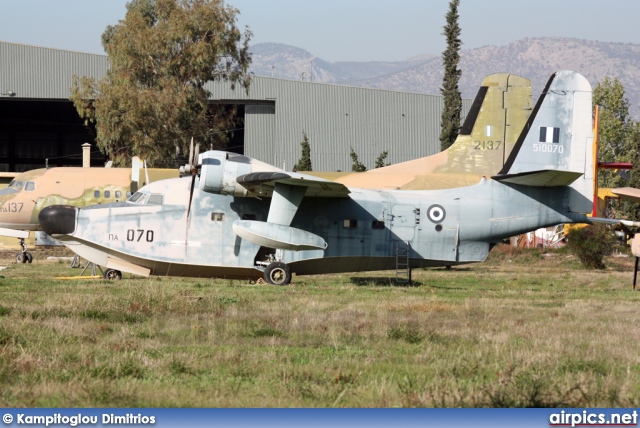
x=492, y=126
x=496, y=118
x=238, y=218
x=31, y=191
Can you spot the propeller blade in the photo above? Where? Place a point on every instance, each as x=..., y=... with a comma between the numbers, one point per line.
x=193, y=181
x=195, y=158
x=191, y=152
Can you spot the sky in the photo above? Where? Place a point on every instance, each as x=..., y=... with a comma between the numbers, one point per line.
x=345, y=30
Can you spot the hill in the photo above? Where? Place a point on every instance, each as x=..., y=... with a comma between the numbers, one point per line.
x=534, y=58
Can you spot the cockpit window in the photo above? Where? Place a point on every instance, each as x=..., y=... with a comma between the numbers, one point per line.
x=146, y=198
x=16, y=184
x=155, y=199
x=136, y=196
x=30, y=186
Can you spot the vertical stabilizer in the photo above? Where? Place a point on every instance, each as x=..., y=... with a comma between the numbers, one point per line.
x=558, y=140
x=492, y=126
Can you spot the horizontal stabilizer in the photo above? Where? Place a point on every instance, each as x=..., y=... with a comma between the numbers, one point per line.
x=627, y=193
x=278, y=236
x=544, y=178
x=614, y=221
x=256, y=182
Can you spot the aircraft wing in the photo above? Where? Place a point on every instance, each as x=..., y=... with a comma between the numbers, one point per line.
x=13, y=233
x=542, y=178
x=627, y=193
x=259, y=183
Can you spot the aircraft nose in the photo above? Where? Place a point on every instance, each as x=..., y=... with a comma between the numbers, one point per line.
x=58, y=219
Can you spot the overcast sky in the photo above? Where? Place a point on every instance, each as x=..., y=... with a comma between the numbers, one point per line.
x=345, y=30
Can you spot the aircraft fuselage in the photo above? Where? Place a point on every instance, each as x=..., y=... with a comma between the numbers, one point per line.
x=362, y=231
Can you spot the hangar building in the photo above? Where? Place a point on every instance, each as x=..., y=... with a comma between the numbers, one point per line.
x=38, y=123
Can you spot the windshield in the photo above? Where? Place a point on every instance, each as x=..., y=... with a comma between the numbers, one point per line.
x=16, y=185
x=141, y=198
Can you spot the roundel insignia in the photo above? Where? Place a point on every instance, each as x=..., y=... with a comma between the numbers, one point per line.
x=436, y=213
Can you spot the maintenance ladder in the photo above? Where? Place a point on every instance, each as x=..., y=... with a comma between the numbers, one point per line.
x=403, y=270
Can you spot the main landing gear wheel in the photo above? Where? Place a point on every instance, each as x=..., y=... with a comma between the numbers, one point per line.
x=25, y=257
x=112, y=274
x=277, y=273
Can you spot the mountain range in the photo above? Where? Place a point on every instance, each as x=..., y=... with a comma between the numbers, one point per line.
x=533, y=58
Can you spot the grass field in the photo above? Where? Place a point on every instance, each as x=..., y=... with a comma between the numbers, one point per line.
x=522, y=329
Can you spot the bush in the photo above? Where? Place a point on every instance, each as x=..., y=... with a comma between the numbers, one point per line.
x=590, y=244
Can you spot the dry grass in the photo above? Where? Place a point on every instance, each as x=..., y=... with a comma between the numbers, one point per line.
x=523, y=329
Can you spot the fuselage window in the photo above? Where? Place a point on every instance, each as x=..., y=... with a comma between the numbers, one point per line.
x=30, y=186
x=96, y=193
x=118, y=194
x=217, y=216
x=377, y=224
x=107, y=194
x=349, y=223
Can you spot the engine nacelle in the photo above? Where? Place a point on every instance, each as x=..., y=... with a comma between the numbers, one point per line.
x=218, y=173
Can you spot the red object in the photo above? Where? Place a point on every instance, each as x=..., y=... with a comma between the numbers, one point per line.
x=615, y=165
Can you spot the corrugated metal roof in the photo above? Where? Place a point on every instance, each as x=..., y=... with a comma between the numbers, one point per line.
x=336, y=118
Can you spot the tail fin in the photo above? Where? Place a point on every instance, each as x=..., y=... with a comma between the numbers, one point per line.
x=555, y=148
x=492, y=126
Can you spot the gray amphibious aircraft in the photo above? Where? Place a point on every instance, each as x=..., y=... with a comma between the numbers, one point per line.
x=229, y=222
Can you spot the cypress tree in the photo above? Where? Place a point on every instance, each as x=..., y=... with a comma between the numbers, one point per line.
x=450, y=119
x=304, y=163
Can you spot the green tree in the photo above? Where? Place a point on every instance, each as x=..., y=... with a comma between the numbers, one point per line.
x=614, y=130
x=152, y=100
x=304, y=163
x=356, y=166
x=630, y=209
x=381, y=158
x=619, y=141
x=450, y=118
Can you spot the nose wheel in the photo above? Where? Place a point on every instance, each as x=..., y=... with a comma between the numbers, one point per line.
x=277, y=273
x=112, y=274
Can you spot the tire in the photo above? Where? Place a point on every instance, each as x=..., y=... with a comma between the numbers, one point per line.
x=277, y=273
x=20, y=258
x=28, y=257
x=112, y=274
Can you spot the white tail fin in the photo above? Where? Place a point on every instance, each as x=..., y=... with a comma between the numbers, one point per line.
x=555, y=147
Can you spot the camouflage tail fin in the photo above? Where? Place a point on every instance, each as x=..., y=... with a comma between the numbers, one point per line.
x=555, y=148
x=492, y=126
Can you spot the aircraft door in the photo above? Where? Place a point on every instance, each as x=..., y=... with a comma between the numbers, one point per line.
x=403, y=222
x=439, y=238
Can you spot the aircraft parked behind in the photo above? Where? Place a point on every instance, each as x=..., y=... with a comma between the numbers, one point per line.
x=31, y=191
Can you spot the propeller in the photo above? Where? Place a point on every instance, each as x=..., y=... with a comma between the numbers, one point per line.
x=192, y=168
